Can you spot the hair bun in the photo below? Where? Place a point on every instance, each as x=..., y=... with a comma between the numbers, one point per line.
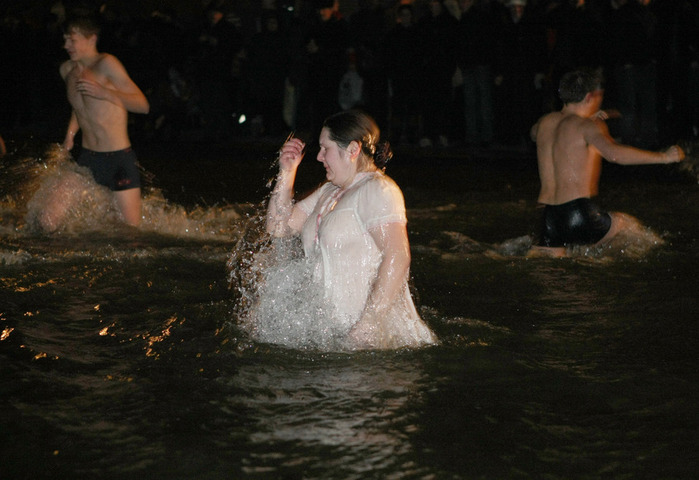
x=383, y=154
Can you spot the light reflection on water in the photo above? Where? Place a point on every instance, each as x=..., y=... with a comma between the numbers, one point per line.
x=120, y=357
x=349, y=413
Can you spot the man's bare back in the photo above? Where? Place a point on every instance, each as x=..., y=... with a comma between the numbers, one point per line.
x=569, y=167
x=570, y=147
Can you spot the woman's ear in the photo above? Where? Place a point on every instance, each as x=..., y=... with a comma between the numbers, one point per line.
x=354, y=148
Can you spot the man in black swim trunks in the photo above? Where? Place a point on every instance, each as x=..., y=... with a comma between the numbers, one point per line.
x=570, y=146
x=101, y=94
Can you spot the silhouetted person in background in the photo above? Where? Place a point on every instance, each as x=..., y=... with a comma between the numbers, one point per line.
x=17, y=43
x=437, y=68
x=402, y=62
x=325, y=48
x=478, y=34
x=678, y=45
x=631, y=28
x=520, y=73
x=368, y=27
x=577, y=43
x=219, y=42
x=265, y=69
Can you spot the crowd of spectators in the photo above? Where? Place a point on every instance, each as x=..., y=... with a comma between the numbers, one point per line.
x=432, y=72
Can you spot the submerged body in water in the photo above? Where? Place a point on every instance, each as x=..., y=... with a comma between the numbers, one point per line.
x=30, y=184
x=315, y=300
x=353, y=230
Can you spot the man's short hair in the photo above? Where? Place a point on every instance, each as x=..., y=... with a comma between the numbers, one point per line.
x=578, y=83
x=87, y=25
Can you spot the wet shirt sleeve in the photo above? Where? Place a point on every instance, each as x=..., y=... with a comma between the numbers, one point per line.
x=381, y=202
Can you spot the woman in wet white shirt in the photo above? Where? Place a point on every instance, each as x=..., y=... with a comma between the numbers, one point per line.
x=353, y=230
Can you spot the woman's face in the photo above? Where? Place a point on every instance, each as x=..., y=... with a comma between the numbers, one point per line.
x=340, y=167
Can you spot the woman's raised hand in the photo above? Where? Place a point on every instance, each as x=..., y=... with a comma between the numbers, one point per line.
x=291, y=154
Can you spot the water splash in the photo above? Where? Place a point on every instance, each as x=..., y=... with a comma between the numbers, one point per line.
x=64, y=183
x=33, y=184
x=277, y=300
x=14, y=257
x=634, y=242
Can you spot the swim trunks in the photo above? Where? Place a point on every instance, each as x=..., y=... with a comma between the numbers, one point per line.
x=578, y=222
x=115, y=170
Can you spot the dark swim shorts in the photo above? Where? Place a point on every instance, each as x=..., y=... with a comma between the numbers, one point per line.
x=115, y=170
x=578, y=222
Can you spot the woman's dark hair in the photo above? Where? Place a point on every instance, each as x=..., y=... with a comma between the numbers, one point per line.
x=356, y=126
x=576, y=84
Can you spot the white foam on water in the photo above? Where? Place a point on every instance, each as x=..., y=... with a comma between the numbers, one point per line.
x=634, y=242
x=11, y=257
x=93, y=227
x=35, y=185
x=278, y=301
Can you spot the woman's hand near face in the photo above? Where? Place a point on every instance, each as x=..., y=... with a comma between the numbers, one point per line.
x=283, y=218
x=291, y=154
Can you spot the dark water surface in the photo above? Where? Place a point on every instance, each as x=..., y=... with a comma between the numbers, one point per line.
x=120, y=357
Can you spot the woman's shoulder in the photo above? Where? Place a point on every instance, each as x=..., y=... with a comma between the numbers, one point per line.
x=380, y=189
x=379, y=183
x=380, y=201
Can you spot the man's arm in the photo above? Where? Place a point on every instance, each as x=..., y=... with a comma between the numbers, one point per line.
x=534, y=130
x=125, y=93
x=72, y=130
x=597, y=134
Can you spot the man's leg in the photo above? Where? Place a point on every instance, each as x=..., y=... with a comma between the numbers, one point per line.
x=56, y=199
x=620, y=222
x=129, y=203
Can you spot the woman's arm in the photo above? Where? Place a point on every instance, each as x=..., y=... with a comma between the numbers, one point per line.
x=392, y=240
x=283, y=218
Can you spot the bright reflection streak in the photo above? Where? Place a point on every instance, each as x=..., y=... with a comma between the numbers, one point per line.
x=154, y=339
x=5, y=333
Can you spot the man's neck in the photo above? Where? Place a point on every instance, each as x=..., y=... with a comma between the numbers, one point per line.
x=90, y=59
x=580, y=109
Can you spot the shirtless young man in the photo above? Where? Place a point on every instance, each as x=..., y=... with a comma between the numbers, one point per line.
x=570, y=146
x=101, y=94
